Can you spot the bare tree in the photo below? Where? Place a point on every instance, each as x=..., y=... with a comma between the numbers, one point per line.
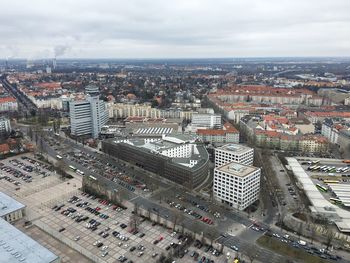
x=177, y=216
x=300, y=229
x=313, y=232
x=329, y=238
x=281, y=217
x=30, y=132
x=134, y=222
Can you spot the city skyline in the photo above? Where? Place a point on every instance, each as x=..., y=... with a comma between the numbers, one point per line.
x=181, y=29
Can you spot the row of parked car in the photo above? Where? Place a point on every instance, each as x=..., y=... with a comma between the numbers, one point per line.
x=17, y=174
x=300, y=244
x=190, y=212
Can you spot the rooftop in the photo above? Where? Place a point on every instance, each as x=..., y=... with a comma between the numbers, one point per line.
x=237, y=169
x=17, y=247
x=8, y=204
x=237, y=148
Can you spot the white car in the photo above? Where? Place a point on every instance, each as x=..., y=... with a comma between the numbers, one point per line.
x=97, y=242
x=77, y=238
x=104, y=248
x=234, y=248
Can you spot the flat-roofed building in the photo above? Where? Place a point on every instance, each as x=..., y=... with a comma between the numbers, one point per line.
x=236, y=184
x=234, y=153
x=175, y=157
x=10, y=209
x=207, y=120
x=17, y=247
x=228, y=134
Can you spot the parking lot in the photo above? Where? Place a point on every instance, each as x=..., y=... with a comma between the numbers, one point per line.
x=107, y=237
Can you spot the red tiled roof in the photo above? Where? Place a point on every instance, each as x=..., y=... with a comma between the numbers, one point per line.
x=210, y=132
x=328, y=114
x=229, y=127
x=7, y=99
x=48, y=85
x=4, y=148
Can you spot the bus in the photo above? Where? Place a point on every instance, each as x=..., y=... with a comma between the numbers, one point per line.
x=59, y=157
x=311, y=167
x=80, y=172
x=315, y=162
x=323, y=167
x=321, y=188
x=345, y=169
x=336, y=201
x=331, y=181
x=346, y=161
x=316, y=168
x=72, y=168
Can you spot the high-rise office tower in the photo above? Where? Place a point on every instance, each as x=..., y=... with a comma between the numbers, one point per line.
x=89, y=115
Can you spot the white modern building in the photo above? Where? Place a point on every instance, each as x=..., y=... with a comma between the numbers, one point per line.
x=234, y=153
x=237, y=185
x=89, y=115
x=10, y=209
x=5, y=126
x=210, y=121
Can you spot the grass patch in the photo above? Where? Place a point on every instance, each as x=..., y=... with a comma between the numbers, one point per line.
x=286, y=250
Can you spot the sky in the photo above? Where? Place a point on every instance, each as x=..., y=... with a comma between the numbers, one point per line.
x=38, y=29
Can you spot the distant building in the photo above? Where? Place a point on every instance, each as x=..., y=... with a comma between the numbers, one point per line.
x=319, y=116
x=234, y=153
x=212, y=121
x=121, y=111
x=8, y=104
x=237, y=185
x=89, y=115
x=5, y=126
x=10, y=209
x=228, y=134
x=344, y=142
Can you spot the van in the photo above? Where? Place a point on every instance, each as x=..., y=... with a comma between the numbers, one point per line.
x=302, y=242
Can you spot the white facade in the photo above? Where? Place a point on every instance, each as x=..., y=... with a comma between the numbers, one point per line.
x=10, y=209
x=48, y=102
x=226, y=137
x=5, y=126
x=234, y=153
x=207, y=120
x=88, y=116
x=330, y=132
x=236, y=115
x=237, y=185
x=8, y=105
x=179, y=151
x=121, y=110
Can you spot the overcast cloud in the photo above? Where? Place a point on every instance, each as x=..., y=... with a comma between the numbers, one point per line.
x=174, y=28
